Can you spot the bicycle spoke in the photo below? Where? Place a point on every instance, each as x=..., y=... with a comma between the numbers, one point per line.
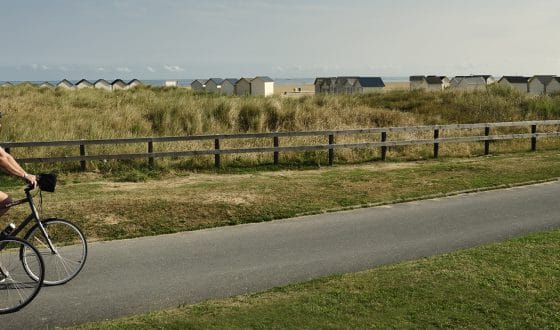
x=38, y=240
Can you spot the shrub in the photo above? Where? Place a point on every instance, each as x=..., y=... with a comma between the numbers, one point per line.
x=249, y=118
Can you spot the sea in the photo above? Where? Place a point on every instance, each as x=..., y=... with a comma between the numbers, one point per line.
x=187, y=82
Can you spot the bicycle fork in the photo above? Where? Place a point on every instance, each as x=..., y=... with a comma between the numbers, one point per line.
x=35, y=214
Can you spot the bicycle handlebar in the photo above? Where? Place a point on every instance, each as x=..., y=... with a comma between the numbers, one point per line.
x=29, y=187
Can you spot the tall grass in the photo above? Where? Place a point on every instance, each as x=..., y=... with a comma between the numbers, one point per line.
x=39, y=114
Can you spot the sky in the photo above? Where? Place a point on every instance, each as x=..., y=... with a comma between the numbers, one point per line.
x=189, y=39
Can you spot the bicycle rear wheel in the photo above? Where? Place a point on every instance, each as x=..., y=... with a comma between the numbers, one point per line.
x=17, y=287
x=70, y=250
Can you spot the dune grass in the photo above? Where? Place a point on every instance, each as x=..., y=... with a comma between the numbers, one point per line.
x=40, y=114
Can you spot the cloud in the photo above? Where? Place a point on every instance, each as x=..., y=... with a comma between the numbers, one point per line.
x=173, y=68
x=34, y=66
x=101, y=69
x=151, y=69
x=44, y=67
x=123, y=69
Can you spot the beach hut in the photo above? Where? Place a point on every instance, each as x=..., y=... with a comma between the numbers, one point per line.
x=118, y=84
x=344, y=84
x=228, y=86
x=243, y=87
x=537, y=84
x=171, y=83
x=46, y=84
x=365, y=85
x=329, y=85
x=6, y=84
x=516, y=82
x=554, y=86
x=83, y=84
x=489, y=79
x=469, y=83
x=198, y=85
x=418, y=82
x=320, y=85
x=102, y=84
x=262, y=86
x=324, y=84
x=429, y=83
x=214, y=85
x=65, y=84
x=437, y=83
x=134, y=83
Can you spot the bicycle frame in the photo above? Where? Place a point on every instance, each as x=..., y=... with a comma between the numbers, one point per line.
x=33, y=216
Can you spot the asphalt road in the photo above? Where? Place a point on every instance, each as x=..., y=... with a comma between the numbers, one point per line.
x=139, y=275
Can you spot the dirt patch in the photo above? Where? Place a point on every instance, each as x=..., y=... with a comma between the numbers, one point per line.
x=107, y=219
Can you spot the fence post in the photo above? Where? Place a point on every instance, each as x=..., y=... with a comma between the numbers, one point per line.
x=151, y=151
x=534, y=138
x=331, y=150
x=384, y=148
x=276, y=145
x=217, y=160
x=436, y=145
x=486, y=142
x=83, y=153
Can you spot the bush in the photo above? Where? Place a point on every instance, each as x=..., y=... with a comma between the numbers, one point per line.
x=249, y=118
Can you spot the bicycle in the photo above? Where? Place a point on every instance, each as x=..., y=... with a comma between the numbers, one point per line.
x=60, y=243
x=17, y=287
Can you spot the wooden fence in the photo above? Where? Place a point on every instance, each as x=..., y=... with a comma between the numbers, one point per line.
x=275, y=148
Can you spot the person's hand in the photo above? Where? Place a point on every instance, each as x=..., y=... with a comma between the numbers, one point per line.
x=30, y=179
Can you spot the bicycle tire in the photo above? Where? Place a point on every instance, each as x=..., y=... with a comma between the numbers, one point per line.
x=17, y=287
x=70, y=244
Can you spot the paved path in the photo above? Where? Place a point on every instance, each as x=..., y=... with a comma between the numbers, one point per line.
x=134, y=276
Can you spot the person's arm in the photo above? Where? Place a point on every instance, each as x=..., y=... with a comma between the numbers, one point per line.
x=11, y=166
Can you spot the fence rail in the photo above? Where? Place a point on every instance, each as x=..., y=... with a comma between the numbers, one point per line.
x=276, y=149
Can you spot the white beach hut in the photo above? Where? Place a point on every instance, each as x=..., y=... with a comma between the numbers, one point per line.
x=365, y=85
x=46, y=84
x=102, y=84
x=243, y=87
x=262, y=86
x=429, y=83
x=84, y=84
x=134, y=83
x=171, y=83
x=418, y=83
x=118, y=84
x=64, y=83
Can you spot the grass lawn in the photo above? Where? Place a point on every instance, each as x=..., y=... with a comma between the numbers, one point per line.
x=513, y=284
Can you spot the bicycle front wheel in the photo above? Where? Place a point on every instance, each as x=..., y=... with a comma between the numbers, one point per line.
x=17, y=287
x=68, y=255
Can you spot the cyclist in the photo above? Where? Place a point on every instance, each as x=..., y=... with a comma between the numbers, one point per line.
x=10, y=165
